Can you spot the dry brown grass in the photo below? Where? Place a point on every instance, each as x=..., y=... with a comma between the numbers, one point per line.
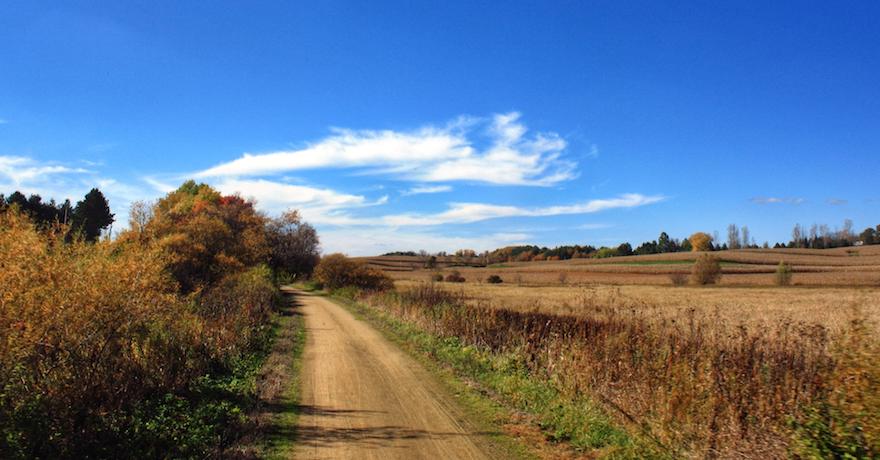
x=723, y=381
x=832, y=306
x=741, y=369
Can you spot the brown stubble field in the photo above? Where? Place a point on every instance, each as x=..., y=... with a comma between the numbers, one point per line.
x=829, y=287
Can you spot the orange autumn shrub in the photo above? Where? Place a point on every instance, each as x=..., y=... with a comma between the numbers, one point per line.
x=207, y=235
x=88, y=330
x=143, y=344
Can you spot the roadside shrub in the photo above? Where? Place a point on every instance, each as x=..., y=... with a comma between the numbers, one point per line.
x=437, y=277
x=678, y=279
x=336, y=271
x=313, y=285
x=844, y=422
x=706, y=270
x=237, y=312
x=89, y=330
x=455, y=277
x=782, y=276
x=102, y=356
x=494, y=279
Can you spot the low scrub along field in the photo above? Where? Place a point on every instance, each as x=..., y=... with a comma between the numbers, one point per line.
x=745, y=369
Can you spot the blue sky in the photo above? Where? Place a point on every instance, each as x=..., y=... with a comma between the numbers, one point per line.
x=396, y=126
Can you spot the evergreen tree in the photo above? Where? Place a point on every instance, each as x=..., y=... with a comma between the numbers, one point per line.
x=91, y=215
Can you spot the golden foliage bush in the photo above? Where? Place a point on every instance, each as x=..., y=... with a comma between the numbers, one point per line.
x=207, y=235
x=105, y=345
x=87, y=328
x=337, y=271
x=700, y=241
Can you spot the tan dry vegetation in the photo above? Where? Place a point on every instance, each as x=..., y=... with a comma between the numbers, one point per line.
x=701, y=382
x=745, y=369
x=832, y=306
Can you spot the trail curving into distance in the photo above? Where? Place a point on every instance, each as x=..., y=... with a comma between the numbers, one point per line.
x=362, y=397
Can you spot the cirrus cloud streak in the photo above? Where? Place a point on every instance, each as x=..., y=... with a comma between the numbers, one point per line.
x=497, y=150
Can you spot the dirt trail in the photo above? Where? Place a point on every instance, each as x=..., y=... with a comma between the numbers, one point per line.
x=364, y=398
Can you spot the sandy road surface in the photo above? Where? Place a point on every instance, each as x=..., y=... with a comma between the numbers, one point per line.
x=364, y=398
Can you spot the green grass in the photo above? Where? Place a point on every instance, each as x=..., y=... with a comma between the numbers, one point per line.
x=279, y=438
x=498, y=385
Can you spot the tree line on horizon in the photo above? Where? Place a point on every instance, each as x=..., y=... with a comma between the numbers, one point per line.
x=818, y=237
x=89, y=217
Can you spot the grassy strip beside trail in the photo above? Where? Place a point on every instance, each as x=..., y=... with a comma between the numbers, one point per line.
x=278, y=386
x=500, y=391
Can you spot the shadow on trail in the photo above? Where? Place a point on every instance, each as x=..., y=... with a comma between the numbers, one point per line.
x=372, y=437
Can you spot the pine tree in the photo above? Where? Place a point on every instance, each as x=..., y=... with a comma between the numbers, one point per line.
x=91, y=215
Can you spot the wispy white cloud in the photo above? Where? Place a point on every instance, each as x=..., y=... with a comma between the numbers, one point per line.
x=159, y=185
x=17, y=171
x=463, y=213
x=837, y=201
x=430, y=154
x=331, y=207
x=376, y=241
x=60, y=182
x=318, y=205
x=775, y=200
x=427, y=189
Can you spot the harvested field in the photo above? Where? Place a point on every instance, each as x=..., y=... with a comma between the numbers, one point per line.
x=854, y=266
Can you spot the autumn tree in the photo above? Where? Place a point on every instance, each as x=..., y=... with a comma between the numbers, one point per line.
x=700, y=241
x=294, y=247
x=139, y=215
x=208, y=235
